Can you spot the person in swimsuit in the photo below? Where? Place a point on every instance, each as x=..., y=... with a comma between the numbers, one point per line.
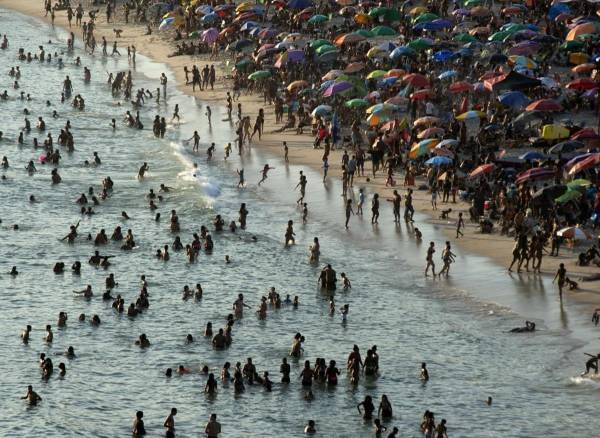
x=429, y=259
x=385, y=408
x=561, y=275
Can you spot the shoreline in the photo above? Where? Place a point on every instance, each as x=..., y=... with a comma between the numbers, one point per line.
x=494, y=247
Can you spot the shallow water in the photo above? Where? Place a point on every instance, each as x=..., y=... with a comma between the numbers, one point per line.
x=457, y=326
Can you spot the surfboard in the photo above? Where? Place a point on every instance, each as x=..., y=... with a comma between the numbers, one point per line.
x=592, y=376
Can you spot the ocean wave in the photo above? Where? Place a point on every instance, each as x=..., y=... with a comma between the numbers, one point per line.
x=192, y=172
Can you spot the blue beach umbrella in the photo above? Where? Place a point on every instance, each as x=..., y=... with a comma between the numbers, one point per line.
x=438, y=161
x=533, y=155
x=443, y=55
x=401, y=51
x=447, y=74
x=514, y=99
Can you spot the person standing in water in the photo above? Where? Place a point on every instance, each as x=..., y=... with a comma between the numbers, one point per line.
x=349, y=211
x=429, y=259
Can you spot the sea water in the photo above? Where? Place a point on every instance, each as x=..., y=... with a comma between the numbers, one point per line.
x=458, y=326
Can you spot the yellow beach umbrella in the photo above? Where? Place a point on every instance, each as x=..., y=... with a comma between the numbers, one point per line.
x=376, y=74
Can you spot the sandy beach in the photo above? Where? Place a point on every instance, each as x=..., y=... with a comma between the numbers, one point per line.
x=159, y=45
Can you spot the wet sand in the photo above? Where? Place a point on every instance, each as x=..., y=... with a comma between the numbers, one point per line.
x=159, y=45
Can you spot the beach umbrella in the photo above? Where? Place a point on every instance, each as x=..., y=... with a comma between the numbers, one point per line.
x=241, y=65
x=397, y=100
x=354, y=67
x=356, y=103
x=388, y=14
x=578, y=58
x=449, y=142
x=425, y=17
x=544, y=105
x=362, y=18
x=209, y=18
x=417, y=10
x=581, y=29
x=514, y=9
x=166, y=23
x=240, y=45
x=331, y=74
x=325, y=48
x=500, y=36
x=349, y=38
x=580, y=182
x=378, y=118
x=417, y=80
x=464, y=38
x=569, y=195
x=574, y=233
x=447, y=74
x=210, y=35
x=522, y=61
x=514, y=99
x=443, y=152
x=482, y=170
x=375, y=52
x=321, y=110
x=423, y=147
x=383, y=31
x=426, y=121
x=460, y=87
x=585, y=134
x=395, y=73
x=583, y=68
x=296, y=85
x=422, y=94
x=260, y=74
x=435, y=25
x=317, y=19
x=381, y=107
x=582, y=84
x=533, y=155
x=566, y=147
x=438, y=161
x=401, y=51
x=526, y=48
x=420, y=44
x=376, y=74
x=535, y=174
x=430, y=133
x=365, y=33
x=299, y=4
x=337, y=88
x=571, y=46
x=443, y=55
x=471, y=115
x=248, y=25
x=586, y=163
x=548, y=82
x=315, y=44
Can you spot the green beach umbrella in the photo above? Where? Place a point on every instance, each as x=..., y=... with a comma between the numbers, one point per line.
x=425, y=17
x=318, y=19
x=580, y=182
x=571, y=46
x=464, y=38
x=419, y=44
x=472, y=3
x=366, y=33
x=261, y=74
x=195, y=34
x=569, y=195
x=383, y=31
x=325, y=48
x=375, y=74
x=244, y=63
x=588, y=36
x=500, y=36
x=315, y=44
x=356, y=103
x=388, y=14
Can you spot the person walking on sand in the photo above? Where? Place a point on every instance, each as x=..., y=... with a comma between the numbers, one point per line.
x=429, y=259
